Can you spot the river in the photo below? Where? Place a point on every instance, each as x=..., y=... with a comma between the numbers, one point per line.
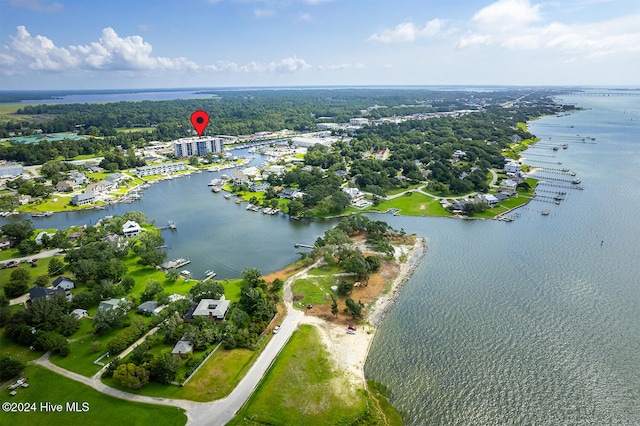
x=534, y=321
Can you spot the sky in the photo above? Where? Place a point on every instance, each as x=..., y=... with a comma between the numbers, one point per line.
x=124, y=44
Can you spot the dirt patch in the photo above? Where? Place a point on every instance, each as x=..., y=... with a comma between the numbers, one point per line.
x=283, y=274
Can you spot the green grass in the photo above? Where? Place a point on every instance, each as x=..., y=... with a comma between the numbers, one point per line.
x=45, y=385
x=41, y=269
x=55, y=203
x=314, y=290
x=18, y=352
x=135, y=129
x=309, y=389
x=399, y=190
x=416, y=204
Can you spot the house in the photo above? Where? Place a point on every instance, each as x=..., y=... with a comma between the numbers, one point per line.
x=488, y=199
x=66, y=186
x=259, y=187
x=501, y=196
x=83, y=199
x=63, y=283
x=25, y=199
x=512, y=167
x=108, y=184
x=508, y=185
x=182, y=349
x=355, y=194
x=95, y=187
x=212, y=308
x=131, y=229
x=47, y=293
x=278, y=170
x=38, y=239
x=77, y=177
x=109, y=304
x=5, y=243
x=148, y=307
x=115, y=177
x=80, y=313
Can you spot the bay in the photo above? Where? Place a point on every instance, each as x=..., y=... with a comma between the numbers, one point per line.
x=533, y=321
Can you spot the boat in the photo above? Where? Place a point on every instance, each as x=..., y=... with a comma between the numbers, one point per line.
x=215, y=182
x=216, y=189
x=572, y=173
x=239, y=200
x=42, y=214
x=565, y=146
x=576, y=181
x=227, y=196
x=185, y=273
x=209, y=274
x=544, y=212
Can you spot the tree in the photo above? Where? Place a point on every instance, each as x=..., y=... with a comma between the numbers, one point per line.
x=28, y=247
x=15, y=289
x=127, y=283
x=354, y=308
x=334, y=306
x=152, y=257
x=206, y=290
x=18, y=231
x=164, y=368
x=172, y=275
x=151, y=290
x=276, y=285
x=56, y=266
x=9, y=367
x=106, y=320
x=131, y=375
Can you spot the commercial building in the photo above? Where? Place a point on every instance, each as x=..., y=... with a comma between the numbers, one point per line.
x=160, y=169
x=186, y=147
x=10, y=169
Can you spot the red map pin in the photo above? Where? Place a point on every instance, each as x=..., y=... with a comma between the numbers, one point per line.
x=200, y=119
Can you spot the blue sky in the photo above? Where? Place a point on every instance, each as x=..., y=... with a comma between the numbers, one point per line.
x=94, y=44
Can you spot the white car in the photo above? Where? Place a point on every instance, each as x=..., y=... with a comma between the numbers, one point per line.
x=276, y=329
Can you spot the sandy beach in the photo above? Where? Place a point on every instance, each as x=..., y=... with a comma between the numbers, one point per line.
x=349, y=351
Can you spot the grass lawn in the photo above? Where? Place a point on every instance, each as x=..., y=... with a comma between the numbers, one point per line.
x=416, y=204
x=399, y=190
x=18, y=352
x=309, y=389
x=134, y=129
x=56, y=203
x=45, y=385
x=314, y=290
x=41, y=269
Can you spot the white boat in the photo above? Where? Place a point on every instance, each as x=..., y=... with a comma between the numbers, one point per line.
x=209, y=275
x=227, y=196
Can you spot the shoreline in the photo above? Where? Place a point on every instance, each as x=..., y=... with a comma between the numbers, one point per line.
x=349, y=352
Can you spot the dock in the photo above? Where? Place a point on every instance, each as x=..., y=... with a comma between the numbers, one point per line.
x=297, y=245
x=174, y=264
x=170, y=225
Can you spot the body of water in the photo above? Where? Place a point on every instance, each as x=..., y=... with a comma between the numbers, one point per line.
x=117, y=96
x=529, y=322
x=533, y=322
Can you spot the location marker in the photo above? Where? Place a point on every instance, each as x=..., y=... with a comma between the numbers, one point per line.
x=200, y=119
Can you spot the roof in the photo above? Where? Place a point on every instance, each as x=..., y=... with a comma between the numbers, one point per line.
x=216, y=308
x=182, y=347
x=109, y=304
x=148, y=306
x=61, y=280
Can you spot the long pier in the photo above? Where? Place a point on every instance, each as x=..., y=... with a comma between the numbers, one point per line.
x=302, y=245
x=170, y=225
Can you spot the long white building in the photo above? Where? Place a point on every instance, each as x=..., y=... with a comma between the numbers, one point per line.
x=186, y=147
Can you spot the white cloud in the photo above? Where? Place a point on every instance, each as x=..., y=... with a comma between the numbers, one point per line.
x=26, y=53
x=409, y=32
x=304, y=17
x=509, y=13
x=263, y=13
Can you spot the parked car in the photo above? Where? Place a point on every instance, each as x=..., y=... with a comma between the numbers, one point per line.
x=276, y=329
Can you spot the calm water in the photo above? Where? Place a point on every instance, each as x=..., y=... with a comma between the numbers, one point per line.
x=213, y=232
x=534, y=321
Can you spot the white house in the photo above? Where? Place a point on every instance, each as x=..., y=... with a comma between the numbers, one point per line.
x=63, y=283
x=512, y=167
x=355, y=194
x=489, y=199
x=131, y=229
x=214, y=309
x=80, y=313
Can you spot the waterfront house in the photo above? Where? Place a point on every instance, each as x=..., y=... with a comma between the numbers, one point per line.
x=38, y=239
x=95, y=187
x=64, y=283
x=83, y=199
x=488, y=199
x=211, y=308
x=5, y=243
x=508, y=185
x=512, y=167
x=258, y=187
x=131, y=229
x=354, y=194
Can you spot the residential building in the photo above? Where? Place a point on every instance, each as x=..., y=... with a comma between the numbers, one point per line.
x=66, y=186
x=131, y=229
x=186, y=147
x=5, y=243
x=359, y=121
x=355, y=194
x=109, y=304
x=512, y=167
x=77, y=177
x=47, y=293
x=183, y=348
x=214, y=309
x=83, y=199
x=160, y=169
x=80, y=313
x=64, y=283
x=149, y=307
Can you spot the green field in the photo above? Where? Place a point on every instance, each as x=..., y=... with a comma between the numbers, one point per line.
x=102, y=409
x=310, y=390
x=416, y=204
